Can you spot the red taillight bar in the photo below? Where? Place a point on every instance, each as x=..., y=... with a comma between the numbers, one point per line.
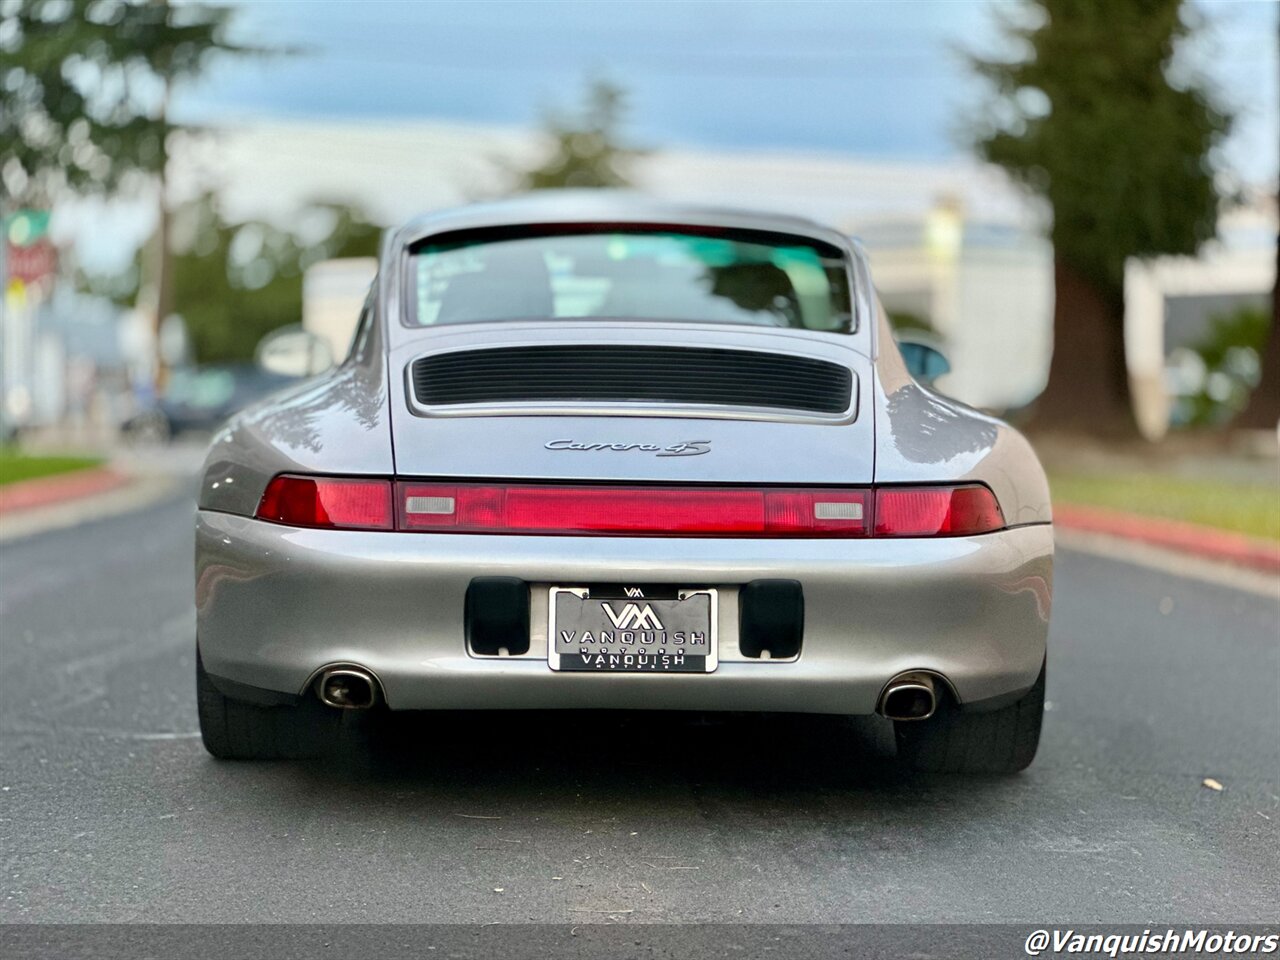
x=609, y=510
x=936, y=511
x=631, y=511
x=328, y=502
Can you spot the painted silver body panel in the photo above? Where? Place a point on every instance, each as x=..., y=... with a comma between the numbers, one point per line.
x=338, y=423
x=924, y=437
x=838, y=451
x=276, y=603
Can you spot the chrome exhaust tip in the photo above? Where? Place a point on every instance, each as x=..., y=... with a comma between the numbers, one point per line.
x=909, y=696
x=347, y=688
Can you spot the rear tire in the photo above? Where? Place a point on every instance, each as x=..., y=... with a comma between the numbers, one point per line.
x=236, y=730
x=956, y=741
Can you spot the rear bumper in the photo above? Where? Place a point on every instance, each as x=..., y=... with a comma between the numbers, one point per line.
x=275, y=604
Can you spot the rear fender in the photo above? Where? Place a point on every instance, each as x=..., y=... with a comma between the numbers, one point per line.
x=924, y=437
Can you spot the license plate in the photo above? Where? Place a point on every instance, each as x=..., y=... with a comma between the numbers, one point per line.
x=632, y=629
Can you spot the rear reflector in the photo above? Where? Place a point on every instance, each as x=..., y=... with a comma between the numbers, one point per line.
x=936, y=511
x=630, y=511
x=324, y=502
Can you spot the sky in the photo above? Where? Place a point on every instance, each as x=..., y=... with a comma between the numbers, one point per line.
x=873, y=79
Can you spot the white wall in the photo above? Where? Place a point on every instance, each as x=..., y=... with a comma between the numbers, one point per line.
x=988, y=291
x=1243, y=261
x=1003, y=334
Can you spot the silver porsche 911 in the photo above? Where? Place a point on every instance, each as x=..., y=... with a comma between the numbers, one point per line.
x=589, y=451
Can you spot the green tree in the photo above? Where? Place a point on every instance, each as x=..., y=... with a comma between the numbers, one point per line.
x=235, y=282
x=586, y=150
x=84, y=99
x=1231, y=350
x=1092, y=119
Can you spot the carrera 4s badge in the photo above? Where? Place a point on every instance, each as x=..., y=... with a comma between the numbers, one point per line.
x=685, y=448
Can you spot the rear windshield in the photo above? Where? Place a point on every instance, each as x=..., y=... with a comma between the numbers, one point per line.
x=725, y=277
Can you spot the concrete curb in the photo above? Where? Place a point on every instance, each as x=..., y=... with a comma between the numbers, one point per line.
x=134, y=494
x=60, y=488
x=1193, y=538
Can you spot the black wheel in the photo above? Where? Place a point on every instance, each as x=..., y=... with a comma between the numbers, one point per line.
x=956, y=741
x=149, y=429
x=236, y=730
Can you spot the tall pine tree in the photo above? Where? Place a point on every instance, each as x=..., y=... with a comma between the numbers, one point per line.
x=1093, y=119
x=586, y=150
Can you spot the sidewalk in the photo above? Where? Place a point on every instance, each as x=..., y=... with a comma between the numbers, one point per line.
x=1208, y=543
x=43, y=491
x=131, y=480
x=1213, y=498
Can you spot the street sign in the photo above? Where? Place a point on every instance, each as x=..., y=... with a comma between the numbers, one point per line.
x=30, y=256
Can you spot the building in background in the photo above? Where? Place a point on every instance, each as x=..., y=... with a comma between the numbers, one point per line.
x=984, y=289
x=955, y=245
x=333, y=294
x=1171, y=304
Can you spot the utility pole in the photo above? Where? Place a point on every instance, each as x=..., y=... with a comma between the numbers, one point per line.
x=162, y=257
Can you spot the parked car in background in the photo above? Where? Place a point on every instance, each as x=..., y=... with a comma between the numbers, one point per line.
x=200, y=399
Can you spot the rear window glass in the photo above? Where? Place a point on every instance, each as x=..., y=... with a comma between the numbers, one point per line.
x=726, y=277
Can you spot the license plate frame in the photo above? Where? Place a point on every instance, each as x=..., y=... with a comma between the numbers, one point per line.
x=627, y=609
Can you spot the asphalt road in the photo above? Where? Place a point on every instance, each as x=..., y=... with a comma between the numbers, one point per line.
x=111, y=811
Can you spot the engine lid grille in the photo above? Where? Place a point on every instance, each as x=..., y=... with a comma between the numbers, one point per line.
x=630, y=374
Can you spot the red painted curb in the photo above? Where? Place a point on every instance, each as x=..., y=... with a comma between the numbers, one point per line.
x=1194, y=538
x=47, y=491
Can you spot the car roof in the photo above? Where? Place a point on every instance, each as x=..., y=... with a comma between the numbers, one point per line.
x=606, y=207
